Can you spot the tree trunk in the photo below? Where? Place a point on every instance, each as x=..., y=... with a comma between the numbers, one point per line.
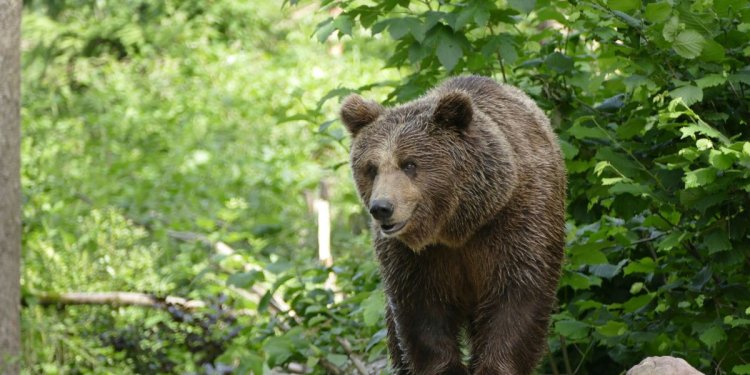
x=10, y=186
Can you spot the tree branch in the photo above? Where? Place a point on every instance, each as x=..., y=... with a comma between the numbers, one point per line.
x=116, y=299
x=355, y=359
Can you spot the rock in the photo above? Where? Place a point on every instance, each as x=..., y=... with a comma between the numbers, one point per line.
x=663, y=366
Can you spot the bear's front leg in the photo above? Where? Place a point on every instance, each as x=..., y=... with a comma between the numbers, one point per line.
x=394, y=347
x=508, y=333
x=427, y=335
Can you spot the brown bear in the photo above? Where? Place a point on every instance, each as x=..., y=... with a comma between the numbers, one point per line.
x=466, y=188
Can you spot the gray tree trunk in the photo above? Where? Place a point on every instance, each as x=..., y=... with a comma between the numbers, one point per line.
x=10, y=186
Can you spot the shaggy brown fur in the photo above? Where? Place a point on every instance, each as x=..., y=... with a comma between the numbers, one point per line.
x=466, y=186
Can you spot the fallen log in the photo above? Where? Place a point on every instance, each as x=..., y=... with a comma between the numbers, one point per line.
x=116, y=299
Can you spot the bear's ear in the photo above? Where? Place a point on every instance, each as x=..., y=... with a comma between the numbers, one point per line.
x=356, y=113
x=453, y=110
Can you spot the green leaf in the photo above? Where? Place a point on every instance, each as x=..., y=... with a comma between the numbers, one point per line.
x=741, y=369
x=559, y=63
x=690, y=153
x=612, y=329
x=636, y=287
x=711, y=80
x=417, y=52
x=644, y=265
x=713, y=52
x=337, y=359
x=476, y=11
x=317, y=319
x=449, y=50
x=671, y=240
x=704, y=144
x=713, y=336
x=736, y=322
x=689, y=94
x=265, y=301
x=671, y=28
x=637, y=302
x=244, y=280
x=249, y=362
x=324, y=30
x=723, y=7
x=588, y=253
x=278, y=349
x=325, y=125
x=701, y=21
x=377, y=338
x=373, y=308
x=740, y=77
x=344, y=24
x=606, y=181
x=721, y=160
x=482, y=15
x=507, y=49
x=702, y=128
x=572, y=329
x=688, y=44
x=380, y=26
x=432, y=18
x=700, y=177
x=523, y=6
x=503, y=44
x=700, y=279
x=568, y=149
x=701, y=200
x=579, y=281
x=717, y=240
x=630, y=20
x=624, y=5
x=278, y=268
x=398, y=27
x=657, y=12
x=619, y=160
x=578, y=130
x=631, y=128
x=312, y=361
x=635, y=189
x=607, y=271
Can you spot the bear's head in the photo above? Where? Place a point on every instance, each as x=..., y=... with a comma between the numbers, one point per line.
x=430, y=171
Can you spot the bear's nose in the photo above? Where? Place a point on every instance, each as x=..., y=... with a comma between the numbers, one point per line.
x=381, y=209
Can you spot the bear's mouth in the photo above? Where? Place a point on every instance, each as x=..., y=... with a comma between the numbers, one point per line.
x=392, y=228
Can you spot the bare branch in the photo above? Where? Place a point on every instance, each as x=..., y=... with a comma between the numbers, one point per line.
x=355, y=359
x=117, y=299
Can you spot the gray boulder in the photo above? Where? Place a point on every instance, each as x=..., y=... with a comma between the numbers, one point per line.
x=663, y=366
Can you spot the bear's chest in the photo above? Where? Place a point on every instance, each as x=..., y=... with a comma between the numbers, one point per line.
x=457, y=276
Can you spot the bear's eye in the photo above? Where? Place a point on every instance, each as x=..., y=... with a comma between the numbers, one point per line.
x=371, y=171
x=410, y=168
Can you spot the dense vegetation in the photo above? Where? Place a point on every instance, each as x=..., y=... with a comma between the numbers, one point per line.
x=173, y=147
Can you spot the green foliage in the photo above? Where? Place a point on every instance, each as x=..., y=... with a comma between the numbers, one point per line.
x=650, y=100
x=144, y=121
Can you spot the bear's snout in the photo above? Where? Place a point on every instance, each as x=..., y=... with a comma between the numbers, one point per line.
x=381, y=209
x=392, y=201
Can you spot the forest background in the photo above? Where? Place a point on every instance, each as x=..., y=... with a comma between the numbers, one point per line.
x=183, y=150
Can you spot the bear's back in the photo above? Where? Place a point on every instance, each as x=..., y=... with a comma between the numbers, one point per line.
x=517, y=116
